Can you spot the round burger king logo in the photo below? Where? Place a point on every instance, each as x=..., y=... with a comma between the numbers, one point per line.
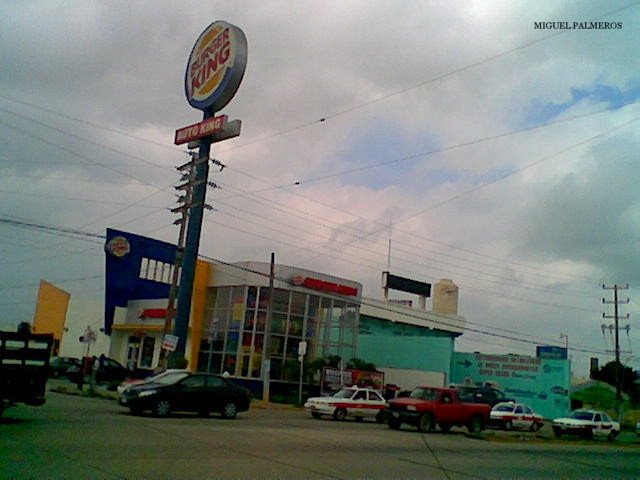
x=118, y=246
x=216, y=66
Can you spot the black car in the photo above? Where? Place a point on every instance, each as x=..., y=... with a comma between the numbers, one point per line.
x=110, y=371
x=481, y=394
x=107, y=371
x=63, y=366
x=190, y=392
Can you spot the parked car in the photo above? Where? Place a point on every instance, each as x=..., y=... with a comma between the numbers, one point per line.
x=428, y=406
x=109, y=371
x=481, y=394
x=354, y=402
x=510, y=415
x=187, y=392
x=60, y=366
x=588, y=424
x=129, y=382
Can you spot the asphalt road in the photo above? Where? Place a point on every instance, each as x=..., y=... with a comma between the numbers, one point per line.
x=78, y=437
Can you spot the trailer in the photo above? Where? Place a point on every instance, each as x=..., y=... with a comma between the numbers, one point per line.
x=24, y=368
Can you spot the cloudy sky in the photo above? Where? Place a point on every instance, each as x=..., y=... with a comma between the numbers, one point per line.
x=490, y=152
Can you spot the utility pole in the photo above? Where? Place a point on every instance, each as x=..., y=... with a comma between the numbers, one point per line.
x=266, y=346
x=186, y=202
x=616, y=329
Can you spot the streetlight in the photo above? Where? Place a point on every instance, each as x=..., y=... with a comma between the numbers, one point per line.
x=566, y=341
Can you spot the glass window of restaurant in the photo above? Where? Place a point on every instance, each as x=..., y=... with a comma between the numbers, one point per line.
x=234, y=329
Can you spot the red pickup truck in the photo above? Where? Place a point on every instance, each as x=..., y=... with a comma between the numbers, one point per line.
x=428, y=406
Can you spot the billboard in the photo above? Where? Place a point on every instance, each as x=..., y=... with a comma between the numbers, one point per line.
x=405, y=284
x=551, y=351
x=543, y=384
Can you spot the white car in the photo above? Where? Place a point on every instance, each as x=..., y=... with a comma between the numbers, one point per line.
x=509, y=415
x=354, y=402
x=588, y=424
x=128, y=383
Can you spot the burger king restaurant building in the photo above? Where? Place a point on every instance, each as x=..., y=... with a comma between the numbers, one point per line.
x=228, y=320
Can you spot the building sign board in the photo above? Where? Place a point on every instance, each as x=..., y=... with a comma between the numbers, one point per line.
x=406, y=284
x=541, y=383
x=118, y=247
x=153, y=313
x=551, y=351
x=198, y=130
x=324, y=286
x=216, y=66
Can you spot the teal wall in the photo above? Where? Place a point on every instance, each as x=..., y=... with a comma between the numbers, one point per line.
x=397, y=345
x=543, y=384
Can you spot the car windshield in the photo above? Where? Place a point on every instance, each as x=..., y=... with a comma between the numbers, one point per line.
x=158, y=376
x=167, y=378
x=579, y=415
x=424, y=394
x=344, y=393
x=503, y=407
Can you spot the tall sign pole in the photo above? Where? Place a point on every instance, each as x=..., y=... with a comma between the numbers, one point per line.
x=215, y=69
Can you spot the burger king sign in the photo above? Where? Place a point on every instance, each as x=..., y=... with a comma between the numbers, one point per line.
x=216, y=66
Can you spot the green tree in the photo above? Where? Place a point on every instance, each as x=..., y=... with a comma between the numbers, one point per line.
x=608, y=373
x=358, y=364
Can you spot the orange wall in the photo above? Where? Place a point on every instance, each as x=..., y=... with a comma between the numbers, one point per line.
x=51, y=310
x=198, y=309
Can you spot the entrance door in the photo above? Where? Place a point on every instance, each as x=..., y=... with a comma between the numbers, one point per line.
x=133, y=352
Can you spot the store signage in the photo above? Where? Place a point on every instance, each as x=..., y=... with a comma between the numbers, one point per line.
x=89, y=336
x=153, y=313
x=198, y=130
x=323, y=286
x=118, y=247
x=170, y=343
x=551, y=352
x=216, y=66
x=406, y=284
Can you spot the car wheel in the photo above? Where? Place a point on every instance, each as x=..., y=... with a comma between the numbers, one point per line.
x=394, y=423
x=508, y=425
x=425, y=423
x=340, y=414
x=612, y=435
x=135, y=411
x=381, y=416
x=229, y=410
x=203, y=413
x=588, y=434
x=316, y=414
x=557, y=432
x=476, y=424
x=359, y=419
x=162, y=408
x=535, y=426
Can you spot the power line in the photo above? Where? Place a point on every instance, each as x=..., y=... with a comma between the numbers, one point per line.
x=507, y=334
